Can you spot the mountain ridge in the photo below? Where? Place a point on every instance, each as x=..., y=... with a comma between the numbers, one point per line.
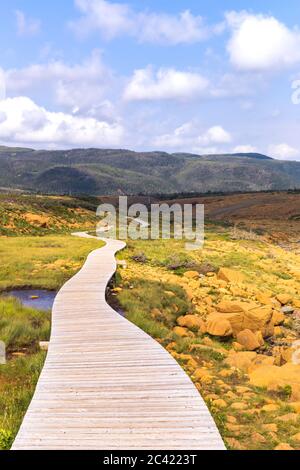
x=110, y=171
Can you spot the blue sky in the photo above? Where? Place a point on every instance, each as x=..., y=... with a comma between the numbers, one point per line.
x=202, y=77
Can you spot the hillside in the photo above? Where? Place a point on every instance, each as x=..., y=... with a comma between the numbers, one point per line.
x=95, y=171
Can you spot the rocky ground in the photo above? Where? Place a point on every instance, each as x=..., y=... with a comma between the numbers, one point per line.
x=230, y=315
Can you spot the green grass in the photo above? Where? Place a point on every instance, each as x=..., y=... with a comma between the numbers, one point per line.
x=22, y=327
x=145, y=296
x=18, y=379
x=42, y=262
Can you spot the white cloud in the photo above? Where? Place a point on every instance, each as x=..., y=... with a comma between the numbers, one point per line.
x=27, y=123
x=117, y=19
x=187, y=138
x=215, y=135
x=261, y=42
x=164, y=84
x=244, y=149
x=284, y=152
x=80, y=87
x=3, y=117
x=168, y=29
x=27, y=26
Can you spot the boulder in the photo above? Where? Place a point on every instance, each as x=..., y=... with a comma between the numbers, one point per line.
x=217, y=326
x=264, y=298
x=283, y=446
x=182, y=332
x=192, y=322
x=270, y=408
x=296, y=437
x=270, y=427
x=278, y=331
x=284, y=298
x=277, y=318
x=261, y=360
x=237, y=346
x=239, y=406
x=231, y=419
x=235, y=319
x=241, y=360
x=191, y=275
x=248, y=340
x=220, y=403
x=230, y=275
x=274, y=377
x=257, y=318
x=228, y=306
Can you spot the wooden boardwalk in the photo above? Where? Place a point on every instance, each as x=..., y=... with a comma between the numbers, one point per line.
x=106, y=384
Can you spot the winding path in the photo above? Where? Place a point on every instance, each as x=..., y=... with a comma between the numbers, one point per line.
x=106, y=384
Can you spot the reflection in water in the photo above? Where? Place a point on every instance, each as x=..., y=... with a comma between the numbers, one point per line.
x=39, y=299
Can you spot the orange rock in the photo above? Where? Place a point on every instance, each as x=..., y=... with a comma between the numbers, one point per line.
x=283, y=446
x=248, y=340
x=231, y=419
x=241, y=360
x=220, y=403
x=257, y=318
x=271, y=427
x=296, y=437
x=271, y=408
x=237, y=346
x=192, y=322
x=283, y=298
x=230, y=275
x=227, y=306
x=219, y=327
x=239, y=406
x=182, y=332
x=191, y=275
x=277, y=318
x=274, y=377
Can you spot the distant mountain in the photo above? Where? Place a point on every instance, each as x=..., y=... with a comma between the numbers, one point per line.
x=95, y=172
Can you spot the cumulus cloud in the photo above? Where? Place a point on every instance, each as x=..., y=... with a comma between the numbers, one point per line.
x=78, y=88
x=24, y=122
x=27, y=26
x=187, y=137
x=284, y=152
x=261, y=42
x=215, y=135
x=164, y=84
x=117, y=19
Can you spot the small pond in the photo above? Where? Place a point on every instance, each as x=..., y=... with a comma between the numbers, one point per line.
x=39, y=299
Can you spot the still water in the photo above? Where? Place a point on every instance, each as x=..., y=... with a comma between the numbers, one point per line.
x=39, y=299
